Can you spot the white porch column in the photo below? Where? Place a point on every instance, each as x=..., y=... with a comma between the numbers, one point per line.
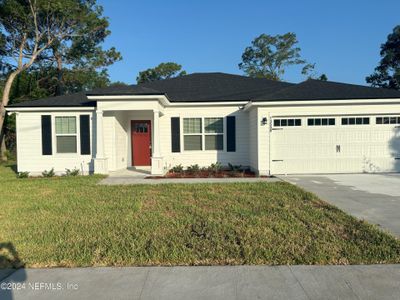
x=100, y=162
x=156, y=159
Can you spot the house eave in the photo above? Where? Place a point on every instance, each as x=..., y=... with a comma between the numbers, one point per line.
x=49, y=108
x=370, y=101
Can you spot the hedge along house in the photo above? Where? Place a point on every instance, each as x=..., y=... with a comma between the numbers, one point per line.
x=272, y=127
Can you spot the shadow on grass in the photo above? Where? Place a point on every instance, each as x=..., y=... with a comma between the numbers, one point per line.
x=9, y=263
x=11, y=165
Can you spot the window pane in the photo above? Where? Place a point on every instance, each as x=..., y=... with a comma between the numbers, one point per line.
x=284, y=122
x=324, y=122
x=310, y=122
x=277, y=123
x=317, y=122
x=213, y=125
x=352, y=121
x=291, y=122
x=192, y=142
x=385, y=120
x=214, y=142
x=345, y=121
x=65, y=125
x=365, y=121
x=331, y=121
x=398, y=120
x=379, y=120
x=192, y=125
x=66, y=144
x=297, y=122
x=359, y=121
x=141, y=127
x=392, y=120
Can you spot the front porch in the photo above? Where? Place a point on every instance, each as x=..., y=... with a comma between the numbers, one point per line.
x=127, y=140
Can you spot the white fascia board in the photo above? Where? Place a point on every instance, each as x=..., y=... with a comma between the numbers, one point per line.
x=164, y=100
x=231, y=103
x=161, y=98
x=322, y=102
x=50, y=109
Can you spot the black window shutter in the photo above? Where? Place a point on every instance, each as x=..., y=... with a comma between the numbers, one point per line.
x=84, y=121
x=47, y=148
x=175, y=135
x=231, y=134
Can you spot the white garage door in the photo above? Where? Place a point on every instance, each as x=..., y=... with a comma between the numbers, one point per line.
x=356, y=144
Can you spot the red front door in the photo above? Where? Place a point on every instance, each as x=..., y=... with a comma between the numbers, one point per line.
x=141, y=143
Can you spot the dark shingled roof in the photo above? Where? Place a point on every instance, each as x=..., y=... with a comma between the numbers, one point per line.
x=212, y=87
x=124, y=90
x=76, y=99
x=206, y=87
x=328, y=90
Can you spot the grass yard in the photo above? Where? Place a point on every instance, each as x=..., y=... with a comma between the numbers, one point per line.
x=74, y=222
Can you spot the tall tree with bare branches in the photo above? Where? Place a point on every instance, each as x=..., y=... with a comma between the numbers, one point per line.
x=33, y=31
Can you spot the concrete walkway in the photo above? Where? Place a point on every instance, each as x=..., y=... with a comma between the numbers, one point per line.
x=134, y=180
x=138, y=176
x=227, y=282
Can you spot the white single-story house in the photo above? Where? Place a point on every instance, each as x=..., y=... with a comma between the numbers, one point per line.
x=270, y=126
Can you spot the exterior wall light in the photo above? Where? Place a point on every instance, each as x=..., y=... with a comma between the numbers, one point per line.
x=264, y=121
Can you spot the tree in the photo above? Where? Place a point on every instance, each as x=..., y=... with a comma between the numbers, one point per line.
x=387, y=73
x=42, y=83
x=268, y=56
x=35, y=30
x=309, y=71
x=323, y=77
x=162, y=71
x=82, y=50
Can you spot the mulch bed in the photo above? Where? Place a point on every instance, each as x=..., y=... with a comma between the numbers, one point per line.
x=206, y=174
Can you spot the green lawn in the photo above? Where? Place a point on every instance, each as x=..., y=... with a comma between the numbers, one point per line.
x=74, y=222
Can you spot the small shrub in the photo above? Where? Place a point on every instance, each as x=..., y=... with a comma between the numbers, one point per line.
x=73, y=172
x=193, y=168
x=177, y=169
x=23, y=175
x=235, y=168
x=215, y=167
x=50, y=173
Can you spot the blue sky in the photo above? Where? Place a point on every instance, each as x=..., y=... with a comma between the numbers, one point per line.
x=342, y=37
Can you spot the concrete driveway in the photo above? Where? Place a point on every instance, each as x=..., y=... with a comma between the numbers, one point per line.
x=372, y=197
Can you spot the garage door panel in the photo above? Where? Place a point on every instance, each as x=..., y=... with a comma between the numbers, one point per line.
x=337, y=149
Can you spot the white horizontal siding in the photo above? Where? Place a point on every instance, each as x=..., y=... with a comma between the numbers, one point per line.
x=109, y=139
x=121, y=141
x=253, y=137
x=29, y=146
x=205, y=157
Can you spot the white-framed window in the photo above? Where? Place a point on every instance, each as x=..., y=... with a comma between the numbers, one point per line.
x=192, y=134
x=355, y=121
x=388, y=120
x=287, y=122
x=66, y=134
x=203, y=133
x=214, y=133
x=320, y=121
